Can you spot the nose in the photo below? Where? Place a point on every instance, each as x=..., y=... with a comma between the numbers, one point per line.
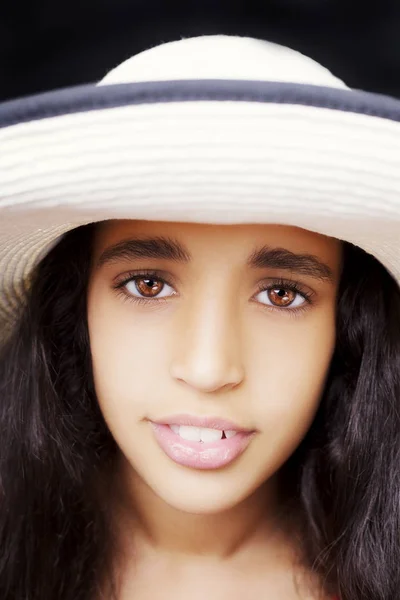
x=207, y=346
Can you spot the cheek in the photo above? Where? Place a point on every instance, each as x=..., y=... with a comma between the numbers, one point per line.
x=290, y=372
x=286, y=380
x=126, y=356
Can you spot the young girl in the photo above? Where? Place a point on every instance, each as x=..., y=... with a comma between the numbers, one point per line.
x=200, y=316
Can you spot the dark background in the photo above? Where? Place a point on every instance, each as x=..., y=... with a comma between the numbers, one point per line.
x=47, y=44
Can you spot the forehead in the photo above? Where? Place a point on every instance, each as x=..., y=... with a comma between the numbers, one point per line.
x=206, y=235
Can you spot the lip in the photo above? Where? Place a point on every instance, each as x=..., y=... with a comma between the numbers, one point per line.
x=208, y=422
x=201, y=455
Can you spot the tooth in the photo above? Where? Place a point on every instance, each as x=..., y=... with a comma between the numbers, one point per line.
x=175, y=428
x=191, y=434
x=229, y=433
x=210, y=435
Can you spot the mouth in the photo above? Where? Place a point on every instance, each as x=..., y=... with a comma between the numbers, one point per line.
x=201, y=443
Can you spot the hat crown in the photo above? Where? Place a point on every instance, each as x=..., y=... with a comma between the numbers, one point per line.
x=222, y=57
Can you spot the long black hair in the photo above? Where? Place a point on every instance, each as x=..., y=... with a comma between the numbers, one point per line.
x=343, y=481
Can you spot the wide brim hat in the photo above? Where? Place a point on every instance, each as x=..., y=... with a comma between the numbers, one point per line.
x=213, y=129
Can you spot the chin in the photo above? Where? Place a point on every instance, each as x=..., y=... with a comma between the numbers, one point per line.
x=204, y=504
x=202, y=492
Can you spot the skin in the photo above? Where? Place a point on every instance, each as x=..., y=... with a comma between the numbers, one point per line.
x=216, y=346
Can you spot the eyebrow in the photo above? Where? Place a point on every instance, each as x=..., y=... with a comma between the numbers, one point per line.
x=262, y=258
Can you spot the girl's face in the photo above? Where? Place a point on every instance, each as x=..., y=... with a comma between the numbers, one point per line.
x=193, y=325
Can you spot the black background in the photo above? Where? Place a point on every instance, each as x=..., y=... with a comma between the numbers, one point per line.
x=48, y=44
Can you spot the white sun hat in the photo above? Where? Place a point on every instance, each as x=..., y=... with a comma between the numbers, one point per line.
x=212, y=129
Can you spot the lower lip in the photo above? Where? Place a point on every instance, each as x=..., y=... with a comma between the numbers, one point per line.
x=200, y=455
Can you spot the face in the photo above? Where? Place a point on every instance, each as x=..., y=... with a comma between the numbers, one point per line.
x=210, y=347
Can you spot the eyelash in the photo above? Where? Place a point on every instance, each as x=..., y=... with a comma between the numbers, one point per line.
x=279, y=283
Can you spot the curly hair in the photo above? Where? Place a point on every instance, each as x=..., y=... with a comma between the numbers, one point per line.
x=342, y=482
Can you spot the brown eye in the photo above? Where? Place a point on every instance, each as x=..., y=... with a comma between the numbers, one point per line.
x=148, y=286
x=281, y=297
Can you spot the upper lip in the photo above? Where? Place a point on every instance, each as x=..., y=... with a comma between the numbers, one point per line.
x=206, y=422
